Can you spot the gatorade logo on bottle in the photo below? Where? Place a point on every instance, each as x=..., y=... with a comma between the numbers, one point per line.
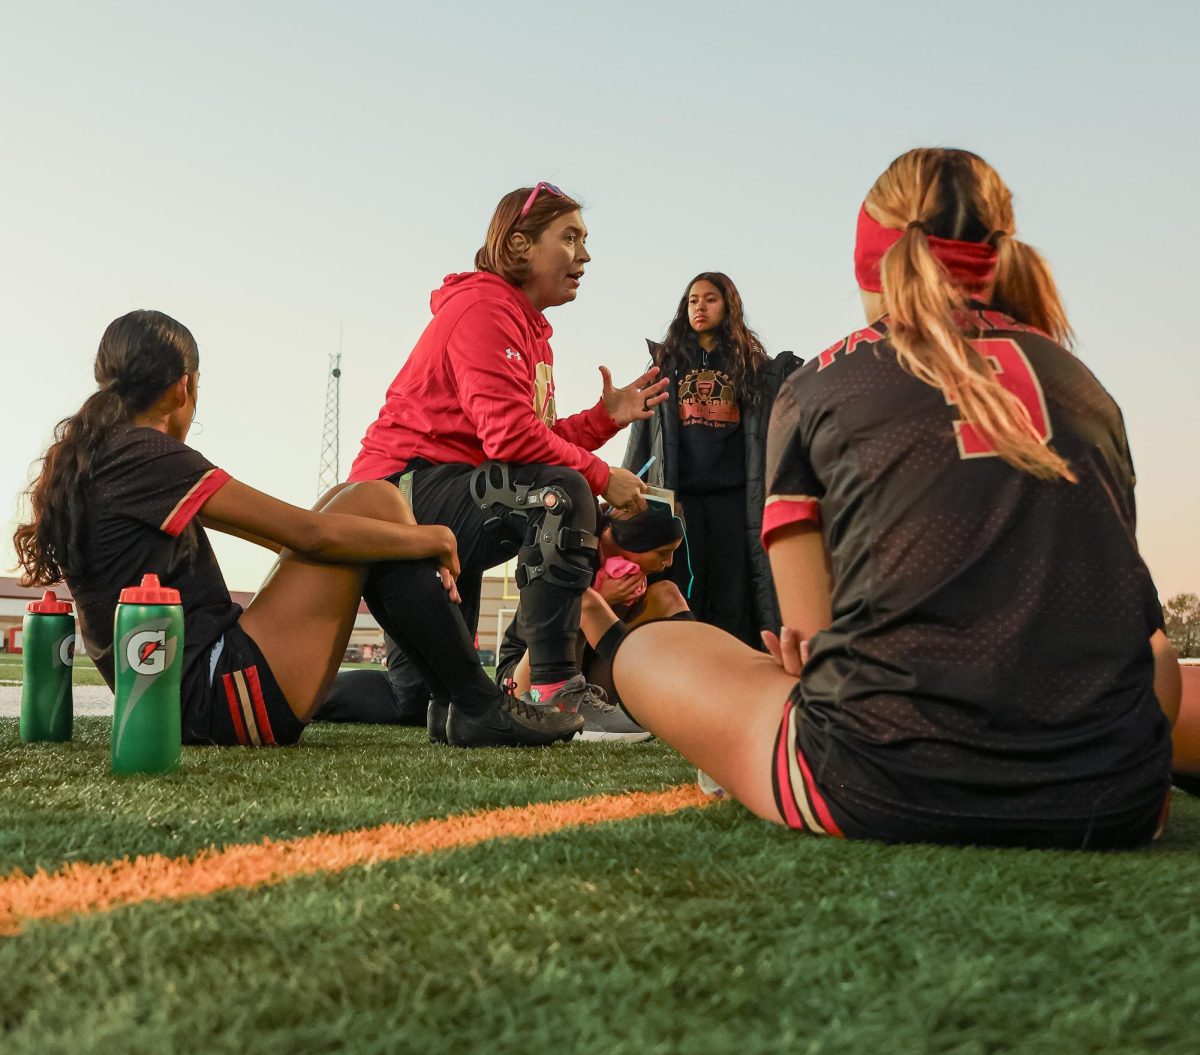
x=146, y=652
x=66, y=650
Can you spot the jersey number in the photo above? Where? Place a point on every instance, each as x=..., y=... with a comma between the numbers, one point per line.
x=1015, y=374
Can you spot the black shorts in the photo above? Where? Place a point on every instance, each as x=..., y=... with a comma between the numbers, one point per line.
x=797, y=796
x=232, y=698
x=822, y=808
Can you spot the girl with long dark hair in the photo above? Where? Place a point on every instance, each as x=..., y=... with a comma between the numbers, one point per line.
x=708, y=445
x=972, y=649
x=120, y=494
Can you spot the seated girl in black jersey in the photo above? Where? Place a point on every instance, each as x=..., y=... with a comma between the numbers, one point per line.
x=633, y=549
x=972, y=648
x=120, y=494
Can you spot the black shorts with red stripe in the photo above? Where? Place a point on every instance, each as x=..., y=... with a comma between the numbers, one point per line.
x=812, y=802
x=232, y=698
x=796, y=793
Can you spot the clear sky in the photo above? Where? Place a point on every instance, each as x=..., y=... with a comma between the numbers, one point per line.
x=272, y=174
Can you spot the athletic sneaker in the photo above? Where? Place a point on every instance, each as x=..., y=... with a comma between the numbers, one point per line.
x=435, y=720
x=512, y=722
x=602, y=720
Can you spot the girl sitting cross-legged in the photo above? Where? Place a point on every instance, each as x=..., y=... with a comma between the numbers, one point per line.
x=121, y=494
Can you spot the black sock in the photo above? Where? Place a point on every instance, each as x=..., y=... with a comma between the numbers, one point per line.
x=606, y=647
x=410, y=603
x=549, y=623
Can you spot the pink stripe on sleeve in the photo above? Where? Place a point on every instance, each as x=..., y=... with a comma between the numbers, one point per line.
x=192, y=502
x=782, y=510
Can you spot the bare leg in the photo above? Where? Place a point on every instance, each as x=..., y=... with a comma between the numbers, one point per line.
x=714, y=699
x=520, y=674
x=1185, y=737
x=302, y=615
x=661, y=601
x=595, y=617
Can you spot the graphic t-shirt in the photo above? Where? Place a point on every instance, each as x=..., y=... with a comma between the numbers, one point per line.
x=712, y=443
x=141, y=501
x=989, y=651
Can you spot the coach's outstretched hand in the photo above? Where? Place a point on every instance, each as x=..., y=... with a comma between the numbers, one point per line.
x=635, y=401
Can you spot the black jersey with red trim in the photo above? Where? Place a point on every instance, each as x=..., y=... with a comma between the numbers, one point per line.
x=141, y=501
x=989, y=651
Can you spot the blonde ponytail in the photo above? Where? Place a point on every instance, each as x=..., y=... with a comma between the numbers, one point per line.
x=1025, y=290
x=924, y=307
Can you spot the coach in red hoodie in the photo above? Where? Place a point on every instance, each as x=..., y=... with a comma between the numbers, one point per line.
x=479, y=388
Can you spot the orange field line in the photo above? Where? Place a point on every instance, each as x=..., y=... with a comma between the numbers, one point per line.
x=83, y=887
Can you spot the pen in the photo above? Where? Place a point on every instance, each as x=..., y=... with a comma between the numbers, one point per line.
x=643, y=470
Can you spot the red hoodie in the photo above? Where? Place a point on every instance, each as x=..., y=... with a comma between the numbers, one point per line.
x=479, y=386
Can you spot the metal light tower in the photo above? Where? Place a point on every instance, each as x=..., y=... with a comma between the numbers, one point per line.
x=330, y=463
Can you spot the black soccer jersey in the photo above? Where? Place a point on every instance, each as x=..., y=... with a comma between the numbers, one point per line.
x=141, y=498
x=988, y=657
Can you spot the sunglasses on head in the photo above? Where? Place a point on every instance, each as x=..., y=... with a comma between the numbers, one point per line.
x=549, y=188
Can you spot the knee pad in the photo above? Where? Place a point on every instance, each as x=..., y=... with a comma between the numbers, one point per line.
x=557, y=551
x=553, y=547
x=502, y=499
x=503, y=502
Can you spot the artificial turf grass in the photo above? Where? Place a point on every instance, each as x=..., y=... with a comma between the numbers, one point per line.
x=701, y=932
x=84, y=672
x=60, y=802
x=397, y=987
x=79, y=888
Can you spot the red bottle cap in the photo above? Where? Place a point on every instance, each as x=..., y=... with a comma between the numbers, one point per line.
x=49, y=605
x=150, y=592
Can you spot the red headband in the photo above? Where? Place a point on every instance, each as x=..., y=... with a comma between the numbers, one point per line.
x=970, y=265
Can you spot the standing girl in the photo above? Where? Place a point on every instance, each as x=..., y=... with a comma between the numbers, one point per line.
x=950, y=523
x=708, y=441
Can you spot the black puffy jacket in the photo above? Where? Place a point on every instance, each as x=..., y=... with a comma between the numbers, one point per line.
x=659, y=436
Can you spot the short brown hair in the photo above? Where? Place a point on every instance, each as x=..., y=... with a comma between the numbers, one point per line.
x=497, y=254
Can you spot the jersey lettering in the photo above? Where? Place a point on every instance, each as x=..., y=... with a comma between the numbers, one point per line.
x=994, y=320
x=1015, y=373
x=867, y=335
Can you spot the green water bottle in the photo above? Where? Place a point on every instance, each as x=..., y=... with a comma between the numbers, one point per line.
x=148, y=658
x=47, y=653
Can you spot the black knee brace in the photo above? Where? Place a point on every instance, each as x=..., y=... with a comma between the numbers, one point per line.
x=564, y=554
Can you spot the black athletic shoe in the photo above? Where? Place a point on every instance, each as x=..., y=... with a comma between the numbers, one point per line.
x=435, y=720
x=511, y=722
